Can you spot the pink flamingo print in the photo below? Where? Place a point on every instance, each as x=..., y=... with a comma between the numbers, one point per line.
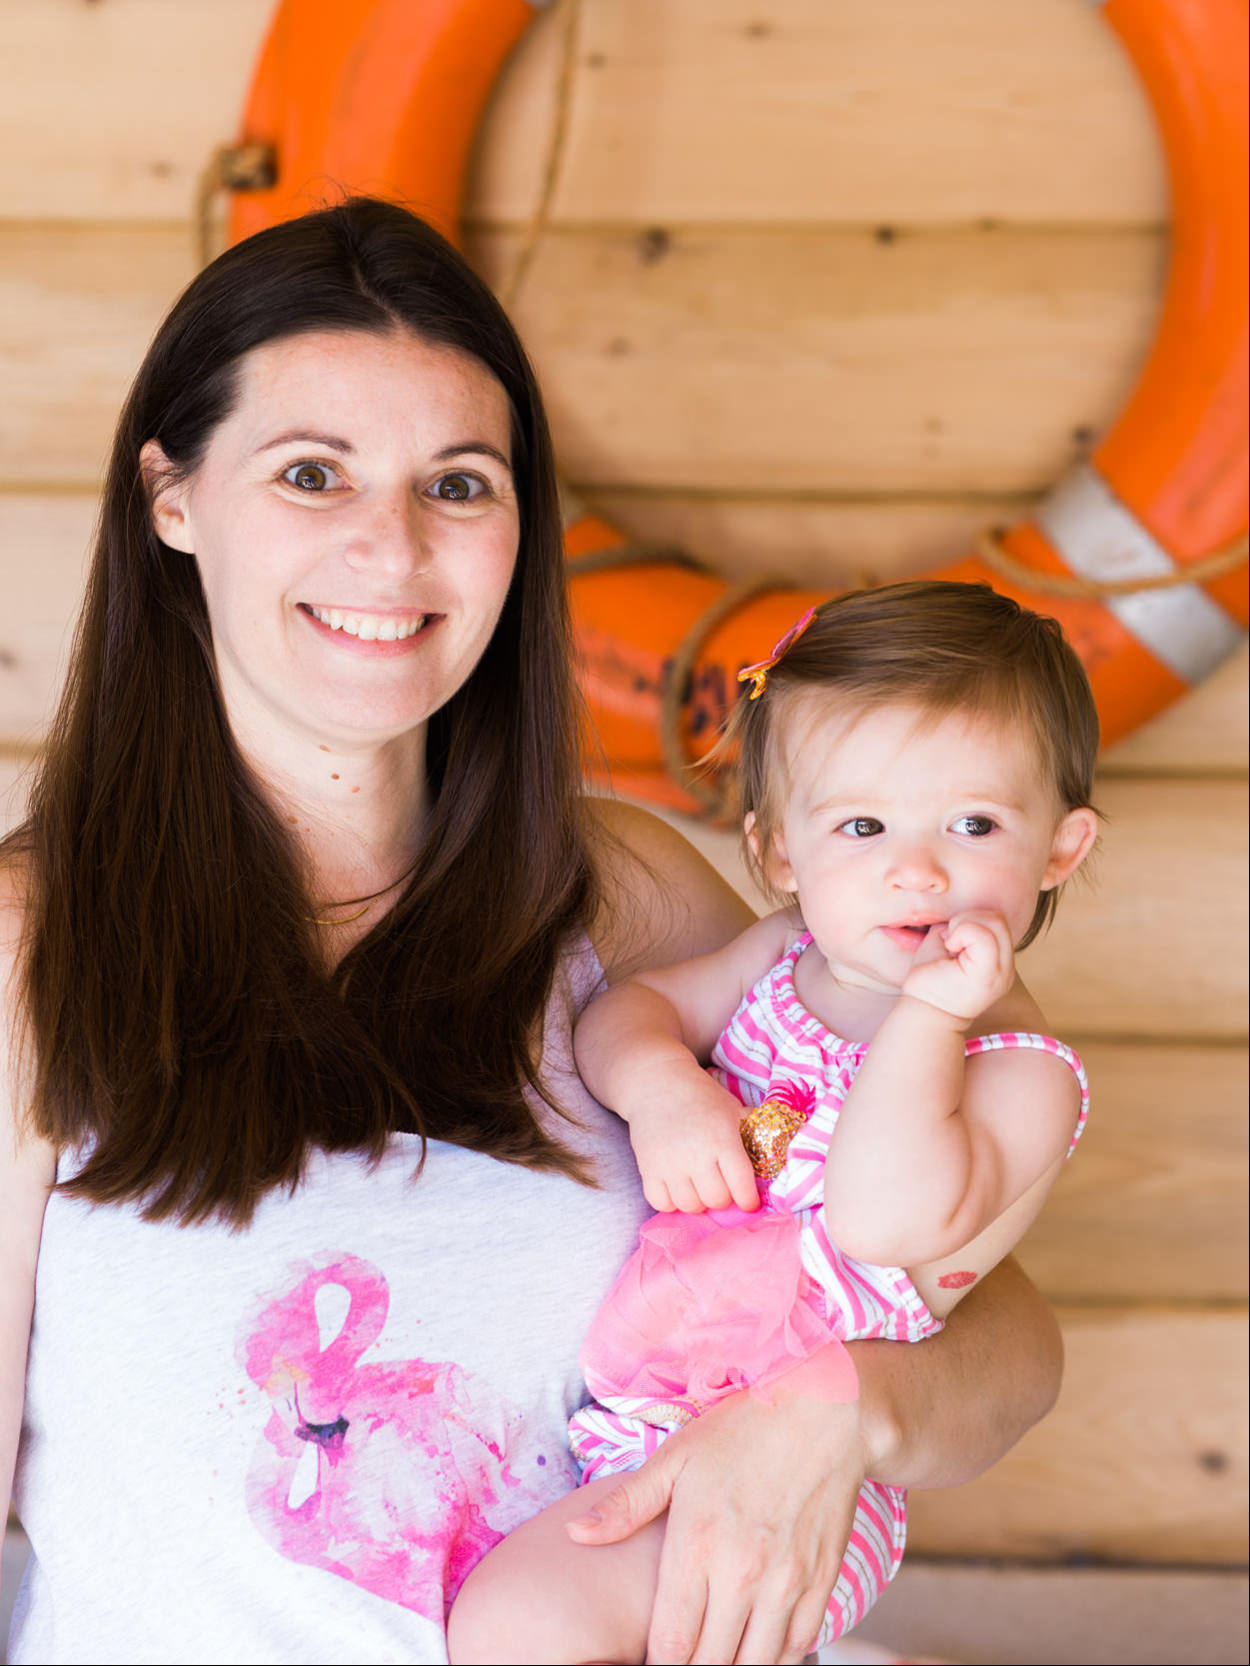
x=372, y=1472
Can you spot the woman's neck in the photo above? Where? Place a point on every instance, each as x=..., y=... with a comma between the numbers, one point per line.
x=356, y=813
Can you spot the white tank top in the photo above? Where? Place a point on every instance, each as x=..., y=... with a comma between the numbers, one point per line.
x=291, y=1443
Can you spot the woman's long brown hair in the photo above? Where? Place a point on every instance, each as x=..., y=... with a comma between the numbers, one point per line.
x=181, y=1027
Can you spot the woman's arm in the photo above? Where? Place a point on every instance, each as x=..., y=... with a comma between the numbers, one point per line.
x=27, y=1171
x=760, y=1498
x=660, y=902
x=941, y=1412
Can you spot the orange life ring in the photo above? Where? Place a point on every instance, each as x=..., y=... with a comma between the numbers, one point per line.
x=384, y=96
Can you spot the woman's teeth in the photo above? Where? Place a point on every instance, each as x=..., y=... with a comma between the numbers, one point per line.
x=369, y=627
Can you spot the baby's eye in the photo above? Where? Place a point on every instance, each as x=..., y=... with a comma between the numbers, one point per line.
x=861, y=827
x=312, y=477
x=459, y=488
x=976, y=827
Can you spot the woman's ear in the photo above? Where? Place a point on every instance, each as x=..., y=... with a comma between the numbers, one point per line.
x=773, y=863
x=1073, y=841
x=167, y=499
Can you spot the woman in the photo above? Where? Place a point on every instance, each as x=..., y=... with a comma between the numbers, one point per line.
x=295, y=932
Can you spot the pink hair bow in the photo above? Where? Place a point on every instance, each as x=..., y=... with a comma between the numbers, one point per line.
x=757, y=675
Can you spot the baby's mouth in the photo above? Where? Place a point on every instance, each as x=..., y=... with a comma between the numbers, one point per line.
x=910, y=934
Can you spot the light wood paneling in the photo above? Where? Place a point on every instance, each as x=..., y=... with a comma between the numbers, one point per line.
x=78, y=306
x=1206, y=732
x=1135, y=950
x=789, y=110
x=1143, y=1458
x=1080, y=1616
x=1153, y=1204
x=799, y=110
x=1153, y=945
x=812, y=538
x=43, y=548
x=945, y=362
x=111, y=111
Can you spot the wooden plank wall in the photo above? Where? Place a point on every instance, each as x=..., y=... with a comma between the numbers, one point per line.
x=826, y=288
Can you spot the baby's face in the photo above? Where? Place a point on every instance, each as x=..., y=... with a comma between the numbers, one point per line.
x=895, y=821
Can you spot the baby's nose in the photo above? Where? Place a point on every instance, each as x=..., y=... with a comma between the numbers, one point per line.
x=917, y=868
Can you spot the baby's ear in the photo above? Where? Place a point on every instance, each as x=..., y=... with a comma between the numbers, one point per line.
x=1074, y=838
x=167, y=498
x=773, y=863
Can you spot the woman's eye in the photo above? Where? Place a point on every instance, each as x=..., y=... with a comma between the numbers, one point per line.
x=458, y=488
x=975, y=827
x=861, y=827
x=311, y=477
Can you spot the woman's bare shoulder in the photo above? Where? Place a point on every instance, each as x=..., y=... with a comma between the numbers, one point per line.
x=14, y=888
x=660, y=900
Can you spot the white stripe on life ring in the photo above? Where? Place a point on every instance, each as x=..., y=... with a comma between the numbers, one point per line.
x=1102, y=540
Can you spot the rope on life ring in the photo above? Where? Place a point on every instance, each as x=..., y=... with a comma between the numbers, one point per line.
x=1139, y=552
x=990, y=549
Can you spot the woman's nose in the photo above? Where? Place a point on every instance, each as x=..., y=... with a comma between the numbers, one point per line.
x=393, y=541
x=916, y=867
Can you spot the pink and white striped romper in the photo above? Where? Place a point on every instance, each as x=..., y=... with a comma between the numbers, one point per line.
x=775, y=1049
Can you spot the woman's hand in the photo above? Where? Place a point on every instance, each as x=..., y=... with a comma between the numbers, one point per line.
x=760, y=1501
x=761, y=1498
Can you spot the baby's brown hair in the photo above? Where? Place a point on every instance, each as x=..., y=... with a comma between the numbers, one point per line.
x=942, y=647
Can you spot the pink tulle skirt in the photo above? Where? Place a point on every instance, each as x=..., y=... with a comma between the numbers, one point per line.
x=709, y=1305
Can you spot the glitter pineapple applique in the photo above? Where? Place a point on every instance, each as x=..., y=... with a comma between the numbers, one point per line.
x=768, y=1129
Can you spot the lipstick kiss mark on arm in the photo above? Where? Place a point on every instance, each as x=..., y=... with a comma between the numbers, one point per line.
x=957, y=1281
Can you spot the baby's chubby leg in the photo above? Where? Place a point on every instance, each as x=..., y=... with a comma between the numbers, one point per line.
x=538, y=1597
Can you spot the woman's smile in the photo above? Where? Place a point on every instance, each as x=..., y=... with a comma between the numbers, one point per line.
x=371, y=631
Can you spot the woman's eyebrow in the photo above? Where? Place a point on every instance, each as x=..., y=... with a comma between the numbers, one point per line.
x=330, y=441
x=469, y=446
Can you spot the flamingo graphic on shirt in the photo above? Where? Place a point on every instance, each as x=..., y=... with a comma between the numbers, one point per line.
x=378, y=1473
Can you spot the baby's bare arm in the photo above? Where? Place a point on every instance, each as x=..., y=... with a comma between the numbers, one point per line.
x=640, y=1048
x=932, y=1152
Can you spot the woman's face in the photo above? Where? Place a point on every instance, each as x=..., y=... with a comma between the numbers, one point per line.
x=355, y=524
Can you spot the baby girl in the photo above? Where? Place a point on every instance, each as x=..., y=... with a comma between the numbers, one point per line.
x=885, y=1112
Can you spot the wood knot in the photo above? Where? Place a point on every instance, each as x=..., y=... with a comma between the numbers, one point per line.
x=653, y=245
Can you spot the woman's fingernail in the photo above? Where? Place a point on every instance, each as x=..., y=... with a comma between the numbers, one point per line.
x=592, y=1518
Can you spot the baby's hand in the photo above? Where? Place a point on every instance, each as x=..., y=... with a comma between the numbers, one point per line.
x=965, y=966
x=690, y=1154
